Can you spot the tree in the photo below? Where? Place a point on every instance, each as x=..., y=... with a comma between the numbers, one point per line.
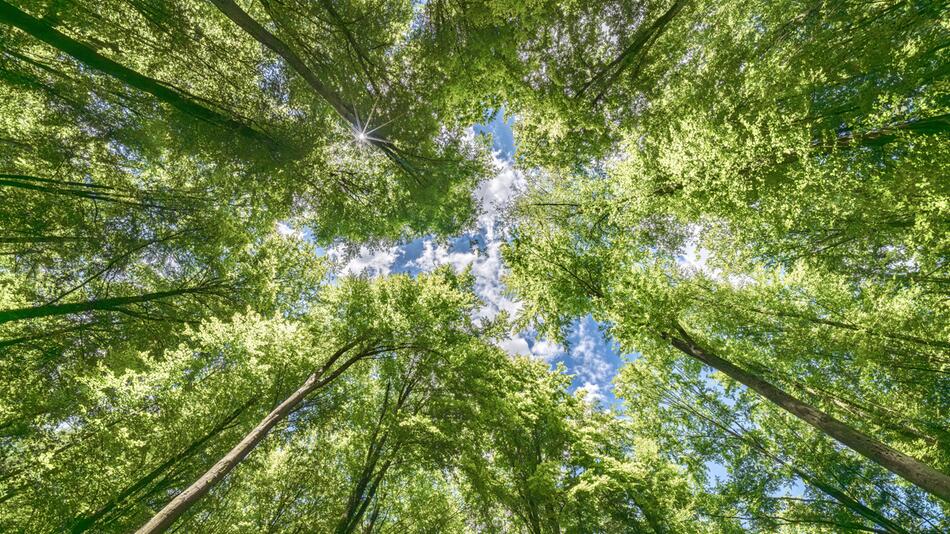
x=744, y=195
x=707, y=165
x=217, y=81
x=705, y=420
x=558, y=463
x=398, y=302
x=571, y=268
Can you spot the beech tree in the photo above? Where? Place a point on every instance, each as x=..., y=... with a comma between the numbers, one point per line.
x=747, y=197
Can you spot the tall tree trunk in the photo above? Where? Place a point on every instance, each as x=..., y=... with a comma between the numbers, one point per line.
x=114, y=304
x=87, y=522
x=43, y=31
x=167, y=515
x=841, y=497
x=355, y=516
x=103, y=195
x=266, y=38
x=20, y=240
x=643, y=40
x=902, y=465
x=892, y=421
x=371, y=477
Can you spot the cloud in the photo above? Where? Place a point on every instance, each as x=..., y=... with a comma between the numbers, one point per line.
x=695, y=258
x=434, y=255
x=496, y=195
x=372, y=262
x=515, y=345
x=592, y=358
x=545, y=350
x=590, y=392
x=480, y=250
x=285, y=230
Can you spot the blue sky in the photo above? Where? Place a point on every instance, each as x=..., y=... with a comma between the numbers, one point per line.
x=592, y=359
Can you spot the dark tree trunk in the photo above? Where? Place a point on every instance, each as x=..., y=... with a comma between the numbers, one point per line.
x=902, y=465
x=640, y=44
x=266, y=38
x=180, y=504
x=43, y=31
x=107, y=304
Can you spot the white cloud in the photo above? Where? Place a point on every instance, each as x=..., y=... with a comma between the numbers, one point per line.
x=435, y=255
x=546, y=350
x=496, y=195
x=286, y=230
x=515, y=345
x=493, y=197
x=590, y=392
x=590, y=360
x=372, y=262
x=695, y=258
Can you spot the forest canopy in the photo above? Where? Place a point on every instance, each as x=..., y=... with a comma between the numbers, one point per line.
x=746, y=201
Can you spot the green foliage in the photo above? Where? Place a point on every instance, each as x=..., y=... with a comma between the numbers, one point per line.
x=169, y=170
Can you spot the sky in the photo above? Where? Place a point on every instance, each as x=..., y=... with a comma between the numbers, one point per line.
x=588, y=356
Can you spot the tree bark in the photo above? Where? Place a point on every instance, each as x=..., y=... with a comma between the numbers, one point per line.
x=174, y=509
x=619, y=64
x=113, y=304
x=841, y=497
x=266, y=38
x=902, y=465
x=43, y=31
x=87, y=522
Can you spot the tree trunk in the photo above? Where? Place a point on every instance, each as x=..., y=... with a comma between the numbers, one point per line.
x=167, y=515
x=42, y=31
x=902, y=465
x=841, y=497
x=114, y=303
x=619, y=64
x=103, y=195
x=266, y=38
x=371, y=477
x=355, y=516
x=87, y=522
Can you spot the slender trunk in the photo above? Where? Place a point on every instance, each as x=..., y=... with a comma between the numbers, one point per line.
x=851, y=504
x=617, y=66
x=29, y=178
x=355, y=516
x=371, y=477
x=17, y=240
x=936, y=125
x=902, y=465
x=366, y=63
x=85, y=194
x=841, y=497
x=112, y=304
x=939, y=436
x=373, y=518
x=87, y=522
x=266, y=38
x=167, y=515
x=43, y=31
